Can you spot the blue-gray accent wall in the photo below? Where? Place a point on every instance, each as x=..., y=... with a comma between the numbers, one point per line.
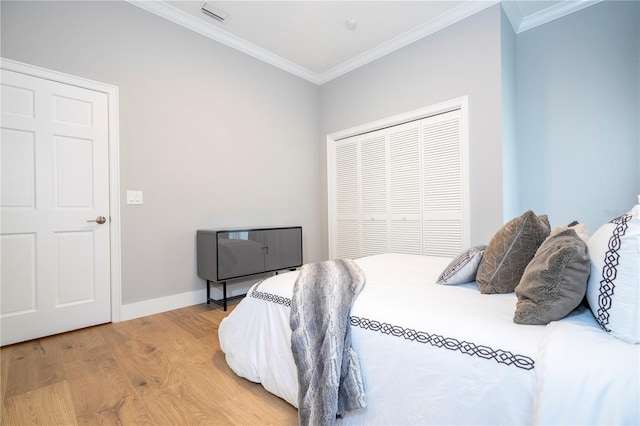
x=578, y=114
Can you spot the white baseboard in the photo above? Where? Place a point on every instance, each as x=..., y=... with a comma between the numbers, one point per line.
x=162, y=304
x=177, y=301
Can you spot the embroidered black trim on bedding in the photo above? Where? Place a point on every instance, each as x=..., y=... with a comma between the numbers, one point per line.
x=468, y=348
x=610, y=270
x=270, y=297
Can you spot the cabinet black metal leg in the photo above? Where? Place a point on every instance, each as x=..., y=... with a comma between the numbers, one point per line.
x=224, y=295
x=221, y=302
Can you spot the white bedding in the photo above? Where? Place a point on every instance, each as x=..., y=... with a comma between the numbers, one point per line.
x=585, y=376
x=430, y=354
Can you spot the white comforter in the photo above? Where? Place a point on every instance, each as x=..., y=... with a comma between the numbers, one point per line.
x=430, y=354
x=585, y=376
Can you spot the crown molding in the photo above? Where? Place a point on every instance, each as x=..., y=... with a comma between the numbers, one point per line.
x=547, y=15
x=466, y=9
x=461, y=12
x=513, y=12
x=180, y=17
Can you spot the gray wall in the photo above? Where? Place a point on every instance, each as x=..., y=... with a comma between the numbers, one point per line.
x=463, y=59
x=578, y=114
x=212, y=136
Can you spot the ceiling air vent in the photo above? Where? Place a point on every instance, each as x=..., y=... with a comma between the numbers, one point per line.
x=215, y=12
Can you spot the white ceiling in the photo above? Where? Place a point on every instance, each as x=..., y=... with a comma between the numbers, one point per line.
x=311, y=39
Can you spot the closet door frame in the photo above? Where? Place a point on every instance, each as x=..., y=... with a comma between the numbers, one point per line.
x=460, y=103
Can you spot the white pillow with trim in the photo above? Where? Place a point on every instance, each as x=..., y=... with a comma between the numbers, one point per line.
x=613, y=290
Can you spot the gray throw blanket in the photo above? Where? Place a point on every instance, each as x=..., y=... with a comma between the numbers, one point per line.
x=329, y=378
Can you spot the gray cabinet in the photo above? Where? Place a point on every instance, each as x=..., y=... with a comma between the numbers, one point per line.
x=226, y=254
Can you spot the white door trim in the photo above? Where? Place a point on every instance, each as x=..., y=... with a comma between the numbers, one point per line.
x=114, y=164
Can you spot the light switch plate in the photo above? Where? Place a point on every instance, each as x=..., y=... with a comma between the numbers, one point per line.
x=134, y=197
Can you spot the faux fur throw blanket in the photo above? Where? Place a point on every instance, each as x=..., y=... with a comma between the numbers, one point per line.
x=329, y=378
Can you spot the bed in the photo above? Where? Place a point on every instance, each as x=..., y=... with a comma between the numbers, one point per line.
x=432, y=353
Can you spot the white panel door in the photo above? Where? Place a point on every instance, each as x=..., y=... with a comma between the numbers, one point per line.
x=55, y=185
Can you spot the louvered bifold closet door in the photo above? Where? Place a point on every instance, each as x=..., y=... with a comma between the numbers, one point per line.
x=443, y=229
x=347, y=229
x=400, y=189
x=405, y=201
x=374, y=193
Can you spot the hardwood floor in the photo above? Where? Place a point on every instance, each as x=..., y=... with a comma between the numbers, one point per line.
x=164, y=369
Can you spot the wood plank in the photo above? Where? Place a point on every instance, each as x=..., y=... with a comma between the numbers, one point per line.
x=191, y=400
x=102, y=393
x=79, y=345
x=33, y=365
x=273, y=410
x=147, y=368
x=162, y=369
x=183, y=347
x=48, y=405
x=5, y=362
x=192, y=322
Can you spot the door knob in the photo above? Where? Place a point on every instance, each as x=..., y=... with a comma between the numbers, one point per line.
x=100, y=220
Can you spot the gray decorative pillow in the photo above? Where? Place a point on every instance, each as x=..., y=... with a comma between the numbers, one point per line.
x=509, y=252
x=555, y=281
x=463, y=268
x=545, y=221
x=580, y=229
